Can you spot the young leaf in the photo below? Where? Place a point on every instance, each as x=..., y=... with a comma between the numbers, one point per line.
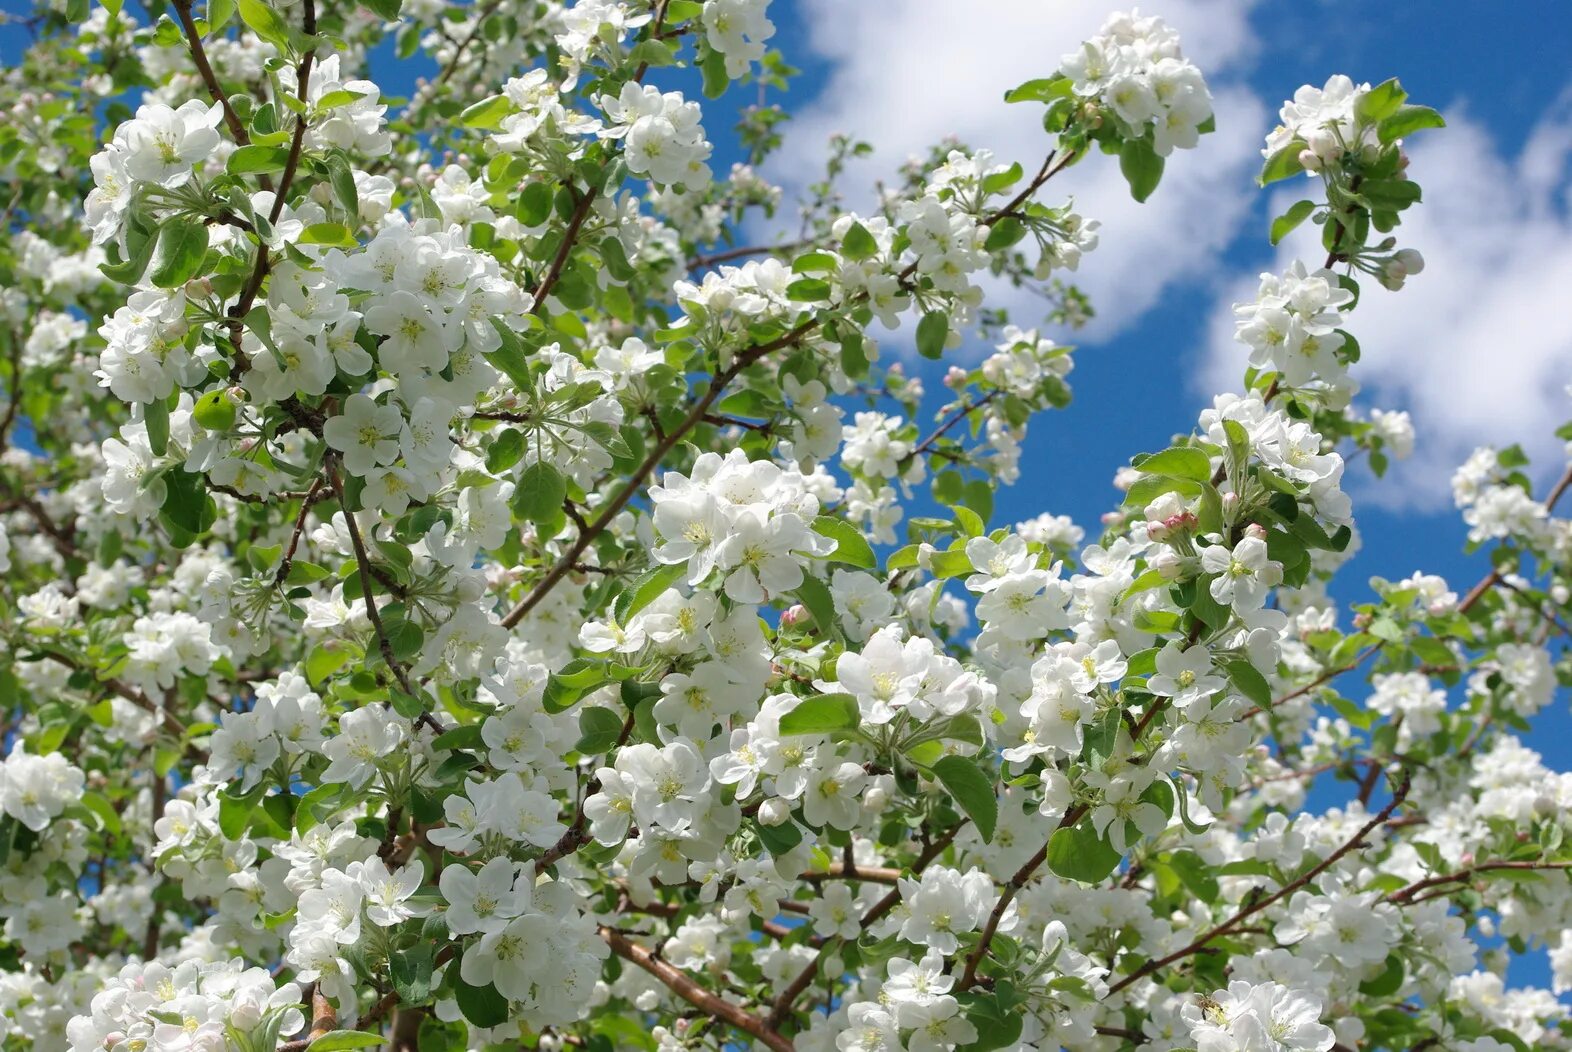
x=1283, y=164
x=265, y=22
x=850, y=545
x=1181, y=462
x=481, y=1005
x=822, y=714
x=177, y=258
x=858, y=244
x=599, y=730
x=541, y=491
x=1407, y=120
x=932, y=332
x=339, y=1040
x=1141, y=166
x=1284, y=224
x=973, y=790
x=1078, y=853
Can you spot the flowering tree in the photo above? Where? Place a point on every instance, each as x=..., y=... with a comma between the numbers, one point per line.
x=459, y=595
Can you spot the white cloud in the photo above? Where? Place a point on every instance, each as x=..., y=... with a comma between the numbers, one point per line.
x=907, y=73
x=1478, y=348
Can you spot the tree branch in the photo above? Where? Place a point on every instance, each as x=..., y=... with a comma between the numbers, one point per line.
x=684, y=987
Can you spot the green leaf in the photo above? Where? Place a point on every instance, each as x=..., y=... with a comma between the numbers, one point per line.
x=932, y=331
x=858, y=244
x=410, y=970
x=1004, y=232
x=1141, y=166
x=1248, y=681
x=265, y=22
x=850, y=545
x=778, y=840
x=716, y=79
x=336, y=235
x=487, y=114
x=187, y=506
x=1380, y=101
x=1283, y=164
x=234, y=812
x=1043, y=90
x=1388, y=982
x=968, y=521
x=466, y=737
x=1406, y=121
x=599, y=730
x=541, y=491
x=335, y=1040
x=1284, y=224
x=505, y=450
x=821, y=605
x=387, y=10
x=481, y=1005
x=177, y=258
x=344, y=190
x=648, y=588
x=107, y=815
x=155, y=415
x=534, y=204
x=1182, y=798
x=1078, y=853
x=973, y=790
x=254, y=159
x=822, y=714
x=1183, y=462
x=1194, y=873
x=1390, y=194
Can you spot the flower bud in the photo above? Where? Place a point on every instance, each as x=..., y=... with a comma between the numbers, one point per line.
x=794, y=615
x=1411, y=260
x=774, y=811
x=1168, y=564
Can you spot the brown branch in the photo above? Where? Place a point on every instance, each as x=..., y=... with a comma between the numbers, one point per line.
x=288, y=560
x=577, y=835
x=684, y=987
x=367, y=593
x=705, y=262
x=125, y=690
x=1403, y=896
x=1355, y=841
x=463, y=45
x=788, y=997
x=948, y=424
x=237, y=130
x=150, y=939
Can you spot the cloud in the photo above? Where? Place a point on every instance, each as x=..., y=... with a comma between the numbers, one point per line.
x=905, y=74
x=1478, y=348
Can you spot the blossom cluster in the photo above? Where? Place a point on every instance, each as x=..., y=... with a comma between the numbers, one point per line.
x=466, y=595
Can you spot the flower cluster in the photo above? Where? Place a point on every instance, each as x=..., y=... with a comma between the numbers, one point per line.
x=1135, y=69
